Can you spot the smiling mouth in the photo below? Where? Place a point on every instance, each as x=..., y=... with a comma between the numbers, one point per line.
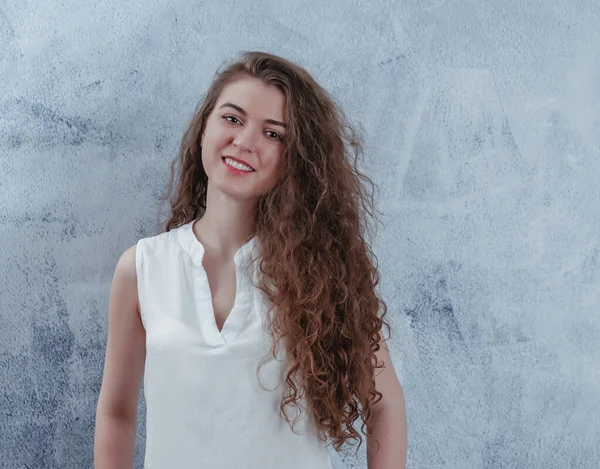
x=244, y=170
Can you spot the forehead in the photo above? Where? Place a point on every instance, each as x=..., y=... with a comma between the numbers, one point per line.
x=257, y=98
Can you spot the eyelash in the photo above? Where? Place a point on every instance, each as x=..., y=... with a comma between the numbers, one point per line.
x=279, y=137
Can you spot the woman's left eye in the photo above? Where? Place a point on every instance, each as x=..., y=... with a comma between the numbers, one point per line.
x=276, y=135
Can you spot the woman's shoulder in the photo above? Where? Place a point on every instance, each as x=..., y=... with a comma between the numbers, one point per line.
x=160, y=239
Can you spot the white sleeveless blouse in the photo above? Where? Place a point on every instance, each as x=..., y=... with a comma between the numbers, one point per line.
x=204, y=405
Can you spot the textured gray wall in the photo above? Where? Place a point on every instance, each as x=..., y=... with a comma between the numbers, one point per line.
x=483, y=120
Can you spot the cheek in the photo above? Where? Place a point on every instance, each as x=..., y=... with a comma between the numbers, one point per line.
x=275, y=169
x=214, y=130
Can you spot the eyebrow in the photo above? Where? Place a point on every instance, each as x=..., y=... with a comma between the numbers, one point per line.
x=244, y=113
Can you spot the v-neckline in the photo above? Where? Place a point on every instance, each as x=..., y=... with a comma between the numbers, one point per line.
x=216, y=277
x=243, y=294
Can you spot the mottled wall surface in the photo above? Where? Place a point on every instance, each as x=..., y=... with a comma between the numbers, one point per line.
x=483, y=125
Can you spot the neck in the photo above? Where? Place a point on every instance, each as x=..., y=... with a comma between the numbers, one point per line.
x=226, y=225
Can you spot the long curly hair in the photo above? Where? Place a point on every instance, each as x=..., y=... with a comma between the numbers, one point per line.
x=311, y=226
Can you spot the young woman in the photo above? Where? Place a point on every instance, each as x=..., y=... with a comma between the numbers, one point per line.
x=253, y=317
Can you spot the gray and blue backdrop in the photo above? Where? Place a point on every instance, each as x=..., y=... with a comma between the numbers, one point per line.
x=483, y=133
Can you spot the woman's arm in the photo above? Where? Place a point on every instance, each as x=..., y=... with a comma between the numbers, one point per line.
x=388, y=418
x=116, y=412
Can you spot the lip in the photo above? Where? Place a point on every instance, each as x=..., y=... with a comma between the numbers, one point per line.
x=239, y=160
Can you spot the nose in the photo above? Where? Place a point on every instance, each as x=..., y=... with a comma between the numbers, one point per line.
x=245, y=139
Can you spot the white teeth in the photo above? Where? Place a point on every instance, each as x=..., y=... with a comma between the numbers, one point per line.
x=237, y=165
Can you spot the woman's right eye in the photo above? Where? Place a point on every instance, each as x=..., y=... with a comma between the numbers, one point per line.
x=233, y=117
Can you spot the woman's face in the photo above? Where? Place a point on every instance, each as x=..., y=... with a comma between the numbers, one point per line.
x=245, y=124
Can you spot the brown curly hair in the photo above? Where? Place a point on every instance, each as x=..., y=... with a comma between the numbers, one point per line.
x=310, y=227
